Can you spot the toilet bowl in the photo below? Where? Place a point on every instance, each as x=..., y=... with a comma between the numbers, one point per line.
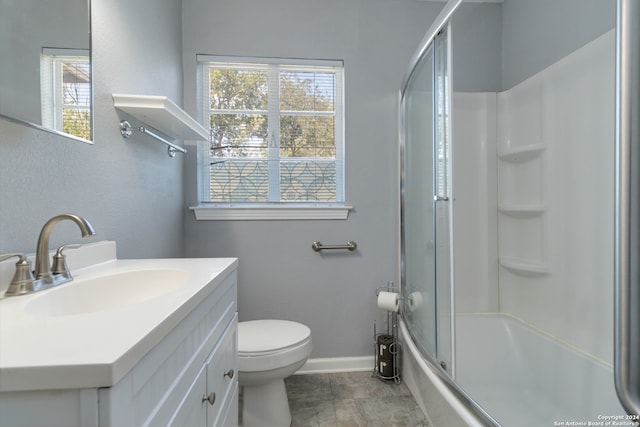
x=268, y=352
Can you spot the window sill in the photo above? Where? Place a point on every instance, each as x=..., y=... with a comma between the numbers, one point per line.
x=274, y=212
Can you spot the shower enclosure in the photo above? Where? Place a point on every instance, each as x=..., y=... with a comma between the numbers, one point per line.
x=518, y=267
x=426, y=190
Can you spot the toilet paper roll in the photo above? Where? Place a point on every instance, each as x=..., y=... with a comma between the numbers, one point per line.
x=389, y=301
x=415, y=301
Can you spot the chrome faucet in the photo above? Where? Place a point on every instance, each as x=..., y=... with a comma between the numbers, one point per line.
x=23, y=282
x=42, y=250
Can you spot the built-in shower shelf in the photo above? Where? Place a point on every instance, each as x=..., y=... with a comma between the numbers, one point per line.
x=517, y=210
x=523, y=267
x=522, y=153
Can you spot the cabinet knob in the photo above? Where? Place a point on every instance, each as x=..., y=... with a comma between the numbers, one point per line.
x=229, y=373
x=211, y=398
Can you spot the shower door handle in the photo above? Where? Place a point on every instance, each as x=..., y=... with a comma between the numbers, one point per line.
x=440, y=199
x=627, y=208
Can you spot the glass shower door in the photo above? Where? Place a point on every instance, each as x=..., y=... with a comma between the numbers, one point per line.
x=417, y=206
x=425, y=237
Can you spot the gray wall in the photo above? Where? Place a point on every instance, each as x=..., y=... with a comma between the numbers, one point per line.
x=538, y=33
x=130, y=190
x=476, y=40
x=280, y=276
x=498, y=45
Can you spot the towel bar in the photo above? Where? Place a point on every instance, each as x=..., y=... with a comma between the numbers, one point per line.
x=350, y=245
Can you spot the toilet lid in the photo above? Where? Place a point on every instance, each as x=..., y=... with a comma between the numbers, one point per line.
x=264, y=336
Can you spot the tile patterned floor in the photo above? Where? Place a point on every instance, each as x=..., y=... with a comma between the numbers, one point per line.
x=351, y=399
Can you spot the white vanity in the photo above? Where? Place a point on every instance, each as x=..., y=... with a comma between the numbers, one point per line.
x=127, y=343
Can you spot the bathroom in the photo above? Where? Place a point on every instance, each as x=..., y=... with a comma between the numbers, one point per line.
x=136, y=195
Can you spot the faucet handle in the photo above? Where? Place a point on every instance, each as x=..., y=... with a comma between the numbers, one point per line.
x=60, y=260
x=22, y=281
x=22, y=257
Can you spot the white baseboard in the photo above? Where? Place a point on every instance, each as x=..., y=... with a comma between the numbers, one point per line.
x=323, y=365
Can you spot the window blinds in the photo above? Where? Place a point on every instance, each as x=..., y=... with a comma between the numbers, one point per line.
x=277, y=130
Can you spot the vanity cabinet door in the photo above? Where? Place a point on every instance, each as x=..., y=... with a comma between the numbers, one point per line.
x=230, y=418
x=222, y=378
x=212, y=398
x=192, y=411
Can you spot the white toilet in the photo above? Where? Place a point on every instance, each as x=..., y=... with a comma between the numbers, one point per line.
x=268, y=352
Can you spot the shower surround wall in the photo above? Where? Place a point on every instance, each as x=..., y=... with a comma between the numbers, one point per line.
x=550, y=196
x=555, y=198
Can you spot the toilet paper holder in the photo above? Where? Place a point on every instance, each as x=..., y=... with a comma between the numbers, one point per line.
x=386, y=345
x=390, y=288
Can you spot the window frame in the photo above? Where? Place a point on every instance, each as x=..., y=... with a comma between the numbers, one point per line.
x=274, y=208
x=52, y=87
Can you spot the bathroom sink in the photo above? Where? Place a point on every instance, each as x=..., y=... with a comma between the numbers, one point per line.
x=107, y=292
x=93, y=331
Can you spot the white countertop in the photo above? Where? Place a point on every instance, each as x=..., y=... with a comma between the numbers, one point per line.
x=96, y=349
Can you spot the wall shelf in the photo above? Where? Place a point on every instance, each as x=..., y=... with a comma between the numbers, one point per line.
x=524, y=268
x=522, y=153
x=162, y=114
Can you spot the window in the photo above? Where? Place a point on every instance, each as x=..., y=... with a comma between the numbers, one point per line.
x=276, y=132
x=66, y=91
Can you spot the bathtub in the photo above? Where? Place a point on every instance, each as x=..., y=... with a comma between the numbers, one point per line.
x=523, y=378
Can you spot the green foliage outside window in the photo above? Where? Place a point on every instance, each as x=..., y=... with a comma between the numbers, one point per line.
x=76, y=97
x=246, y=131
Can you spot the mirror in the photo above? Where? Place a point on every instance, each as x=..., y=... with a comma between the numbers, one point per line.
x=45, y=74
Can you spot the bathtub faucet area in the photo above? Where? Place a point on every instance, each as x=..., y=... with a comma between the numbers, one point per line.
x=23, y=281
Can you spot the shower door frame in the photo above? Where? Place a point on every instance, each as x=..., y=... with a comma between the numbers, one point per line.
x=627, y=207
